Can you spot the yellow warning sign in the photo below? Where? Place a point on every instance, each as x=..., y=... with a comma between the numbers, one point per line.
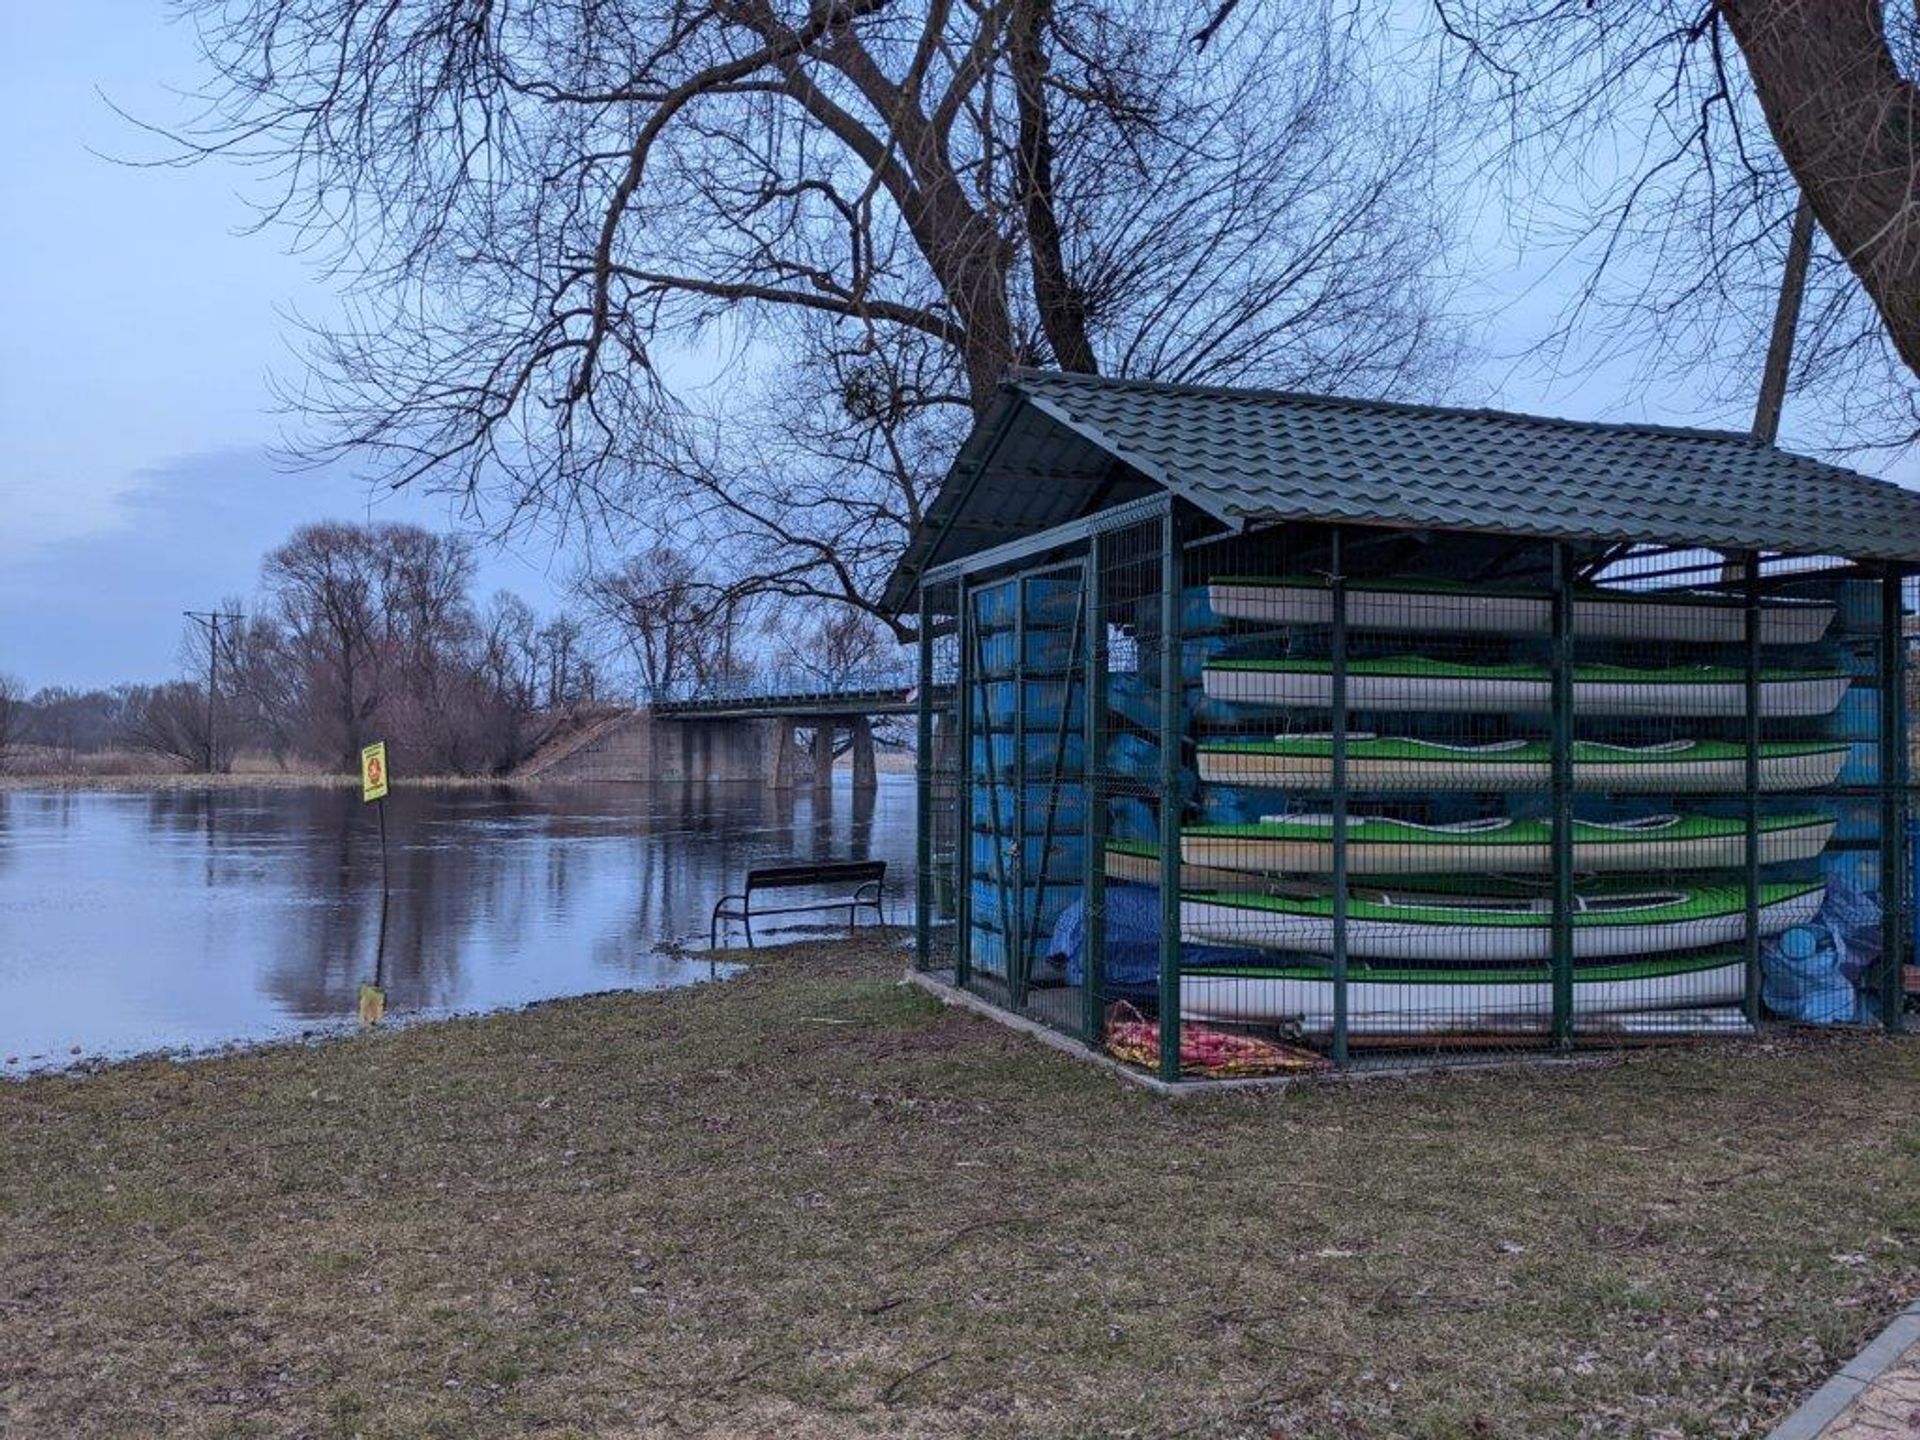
x=373, y=771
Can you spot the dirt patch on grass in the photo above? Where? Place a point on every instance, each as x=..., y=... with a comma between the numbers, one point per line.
x=812, y=1202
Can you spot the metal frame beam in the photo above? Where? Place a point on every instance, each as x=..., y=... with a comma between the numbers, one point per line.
x=1093, y=692
x=1073, y=532
x=1750, y=787
x=1562, y=791
x=1337, y=724
x=1171, y=710
x=923, y=795
x=1896, y=883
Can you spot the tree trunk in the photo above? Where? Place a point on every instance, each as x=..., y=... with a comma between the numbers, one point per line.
x=1063, y=310
x=1848, y=125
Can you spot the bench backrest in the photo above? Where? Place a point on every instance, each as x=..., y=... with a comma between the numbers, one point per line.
x=795, y=877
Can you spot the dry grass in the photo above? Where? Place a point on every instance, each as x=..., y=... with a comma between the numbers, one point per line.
x=810, y=1202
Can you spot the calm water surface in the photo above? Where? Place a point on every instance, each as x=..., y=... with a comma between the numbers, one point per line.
x=185, y=919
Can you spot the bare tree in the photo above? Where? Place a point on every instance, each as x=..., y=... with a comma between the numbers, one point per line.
x=14, y=715
x=831, y=644
x=171, y=721
x=325, y=583
x=72, y=722
x=262, y=689
x=675, y=626
x=1716, y=117
x=567, y=675
x=1845, y=114
x=510, y=649
x=878, y=207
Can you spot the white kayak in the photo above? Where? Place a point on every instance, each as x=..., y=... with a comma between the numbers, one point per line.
x=1409, y=924
x=1410, y=682
x=1138, y=863
x=1424, y=1000
x=1460, y=607
x=1386, y=762
x=1378, y=845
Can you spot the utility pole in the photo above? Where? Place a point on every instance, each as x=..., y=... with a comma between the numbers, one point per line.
x=209, y=621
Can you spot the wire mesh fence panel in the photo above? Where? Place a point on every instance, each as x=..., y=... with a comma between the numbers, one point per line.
x=1135, y=751
x=1021, y=682
x=1362, y=798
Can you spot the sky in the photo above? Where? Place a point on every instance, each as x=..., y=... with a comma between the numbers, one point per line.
x=138, y=424
x=143, y=326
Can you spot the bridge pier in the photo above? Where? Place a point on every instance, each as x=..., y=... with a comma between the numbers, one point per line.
x=823, y=733
x=866, y=773
x=784, y=744
x=725, y=735
x=637, y=746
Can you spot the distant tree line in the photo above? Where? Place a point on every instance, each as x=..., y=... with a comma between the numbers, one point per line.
x=364, y=632
x=370, y=632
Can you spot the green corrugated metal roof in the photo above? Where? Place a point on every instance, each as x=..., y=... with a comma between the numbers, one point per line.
x=1058, y=446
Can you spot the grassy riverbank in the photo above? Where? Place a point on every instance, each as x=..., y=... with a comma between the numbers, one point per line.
x=809, y=1201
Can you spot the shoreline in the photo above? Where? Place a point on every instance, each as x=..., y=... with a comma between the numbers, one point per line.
x=247, y=780
x=317, y=1034
x=75, y=782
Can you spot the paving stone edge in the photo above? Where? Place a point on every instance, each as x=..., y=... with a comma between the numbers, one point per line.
x=1823, y=1407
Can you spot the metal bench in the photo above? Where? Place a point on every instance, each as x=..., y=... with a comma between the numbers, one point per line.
x=864, y=882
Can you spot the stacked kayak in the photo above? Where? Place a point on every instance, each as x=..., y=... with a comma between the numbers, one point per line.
x=1413, y=999
x=1448, y=925
x=1460, y=607
x=1378, y=762
x=1138, y=862
x=1464, y=929
x=1303, y=844
x=1412, y=682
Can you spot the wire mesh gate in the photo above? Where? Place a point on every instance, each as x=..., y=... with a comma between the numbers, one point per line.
x=1420, y=796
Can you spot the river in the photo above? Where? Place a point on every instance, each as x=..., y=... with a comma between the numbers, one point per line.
x=133, y=921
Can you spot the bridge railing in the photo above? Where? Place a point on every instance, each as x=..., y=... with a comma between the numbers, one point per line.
x=785, y=683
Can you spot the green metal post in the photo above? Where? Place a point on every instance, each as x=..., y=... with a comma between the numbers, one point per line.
x=1562, y=748
x=1170, y=734
x=1337, y=724
x=1094, y=885
x=923, y=795
x=1750, y=562
x=1014, y=925
x=964, y=681
x=1896, y=885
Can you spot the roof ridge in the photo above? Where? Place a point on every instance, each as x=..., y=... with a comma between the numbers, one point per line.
x=1020, y=377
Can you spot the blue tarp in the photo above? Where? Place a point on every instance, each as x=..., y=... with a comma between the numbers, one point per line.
x=1811, y=973
x=1132, y=952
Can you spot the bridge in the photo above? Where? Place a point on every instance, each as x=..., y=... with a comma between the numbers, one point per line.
x=825, y=704
x=871, y=690
x=747, y=729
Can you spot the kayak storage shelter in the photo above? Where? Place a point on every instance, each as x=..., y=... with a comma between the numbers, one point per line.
x=1264, y=732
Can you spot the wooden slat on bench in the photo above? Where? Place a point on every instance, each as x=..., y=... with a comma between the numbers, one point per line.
x=782, y=877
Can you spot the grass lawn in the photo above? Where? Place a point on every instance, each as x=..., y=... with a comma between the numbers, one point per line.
x=811, y=1202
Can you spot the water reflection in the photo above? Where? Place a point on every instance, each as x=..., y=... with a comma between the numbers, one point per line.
x=185, y=918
